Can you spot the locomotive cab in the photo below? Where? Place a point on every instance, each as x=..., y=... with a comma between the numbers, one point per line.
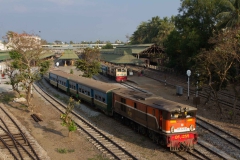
x=180, y=125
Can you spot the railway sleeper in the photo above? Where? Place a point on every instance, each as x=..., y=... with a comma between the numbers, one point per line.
x=109, y=144
x=18, y=139
x=14, y=135
x=11, y=145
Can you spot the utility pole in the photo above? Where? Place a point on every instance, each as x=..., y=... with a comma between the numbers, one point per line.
x=188, y=74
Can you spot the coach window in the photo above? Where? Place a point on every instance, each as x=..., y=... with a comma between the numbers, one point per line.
x=74, y=87
x=96, y=96
x=103, y=99
x=135, y=105
x=88, y=93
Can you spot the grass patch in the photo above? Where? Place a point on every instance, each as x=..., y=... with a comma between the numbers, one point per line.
x=56, y=96
x=98, y=157
x=64, y=99
x=64, y=150
x=6, y=98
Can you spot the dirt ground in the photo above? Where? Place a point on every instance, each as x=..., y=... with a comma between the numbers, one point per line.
x=54, y=138
x=50, y=134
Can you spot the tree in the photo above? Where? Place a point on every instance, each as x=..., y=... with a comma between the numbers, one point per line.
x=153, y=31
x=216, y=63
x=194, y=25
x=58, y=42
x=230, y=15
x=90, y=62
x=66, y=118
x=71, y=42
x=108, y=46
x=44, y=42
x=26, y=63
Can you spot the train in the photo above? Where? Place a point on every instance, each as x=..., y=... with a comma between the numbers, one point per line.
x=166, y=122
x=118, y=73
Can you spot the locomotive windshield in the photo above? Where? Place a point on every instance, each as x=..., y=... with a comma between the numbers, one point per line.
x=180, y=115
x=124, y=70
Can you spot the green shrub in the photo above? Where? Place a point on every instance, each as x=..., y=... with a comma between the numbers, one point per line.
x=64, y=150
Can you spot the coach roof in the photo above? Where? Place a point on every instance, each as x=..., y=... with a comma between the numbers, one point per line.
x=91, y=83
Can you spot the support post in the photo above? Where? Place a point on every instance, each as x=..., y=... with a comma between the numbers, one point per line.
x=188, y=74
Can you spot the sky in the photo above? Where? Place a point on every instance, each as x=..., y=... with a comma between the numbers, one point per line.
x=81, y=20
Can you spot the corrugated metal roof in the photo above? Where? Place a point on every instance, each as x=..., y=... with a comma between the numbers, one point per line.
x=69, y=54
x=136, y=46
x=137, y=50
x=47, y=54
x=120, y=58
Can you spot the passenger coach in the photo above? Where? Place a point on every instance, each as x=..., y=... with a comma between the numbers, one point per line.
x=97, y=93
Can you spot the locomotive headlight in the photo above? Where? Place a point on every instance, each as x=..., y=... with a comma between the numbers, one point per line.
x=172, y=129
x=191, y=127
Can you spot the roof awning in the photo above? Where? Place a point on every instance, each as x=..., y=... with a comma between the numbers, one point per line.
x=69, y=54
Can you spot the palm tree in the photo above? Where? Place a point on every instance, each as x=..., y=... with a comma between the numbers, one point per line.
x=230, y=17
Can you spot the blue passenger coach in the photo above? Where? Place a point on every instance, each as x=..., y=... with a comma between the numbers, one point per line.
x=97, y=93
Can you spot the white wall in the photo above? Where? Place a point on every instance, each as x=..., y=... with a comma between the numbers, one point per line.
x=2, y=46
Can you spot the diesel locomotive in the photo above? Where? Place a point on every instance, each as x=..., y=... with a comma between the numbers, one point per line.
x=118, y=73
x=166, y=122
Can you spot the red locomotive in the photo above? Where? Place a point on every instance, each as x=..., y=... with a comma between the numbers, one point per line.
x=165, y=122
x=119, y=73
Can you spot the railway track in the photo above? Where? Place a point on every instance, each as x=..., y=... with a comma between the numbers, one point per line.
x=127, y=85
x=220, y=138
x=14, y=143
x=101, y=140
